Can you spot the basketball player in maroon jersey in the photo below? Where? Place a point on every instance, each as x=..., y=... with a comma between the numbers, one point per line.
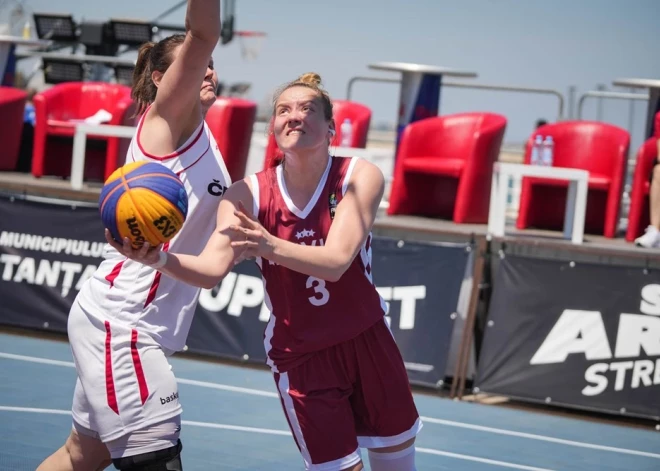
x=339, y=373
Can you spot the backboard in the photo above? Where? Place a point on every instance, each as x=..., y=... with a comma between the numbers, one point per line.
x=228, y=13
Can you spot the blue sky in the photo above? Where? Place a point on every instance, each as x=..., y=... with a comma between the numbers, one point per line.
x=538, y=43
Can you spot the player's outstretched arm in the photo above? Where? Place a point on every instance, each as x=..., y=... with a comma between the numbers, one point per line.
x=178, y=91
x=208, y=268
x=354, y=217
x=177, y=100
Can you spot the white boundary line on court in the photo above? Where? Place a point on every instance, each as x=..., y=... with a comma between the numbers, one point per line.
x=192, y=382
x=237, y=428
x=543, y=438
x=226, y=387
x=450, y=423
x=268, y=431
x=431, y=451
x=45, y=361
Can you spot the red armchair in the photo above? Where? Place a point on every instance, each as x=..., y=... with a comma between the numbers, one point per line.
x=638, y=217
x=601, y=149
x=56, y=110
x=359, y=115
x=12, y=106
x=231, y=121
x=444, y=167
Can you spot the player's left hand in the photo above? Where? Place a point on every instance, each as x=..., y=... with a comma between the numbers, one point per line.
x=257, y=241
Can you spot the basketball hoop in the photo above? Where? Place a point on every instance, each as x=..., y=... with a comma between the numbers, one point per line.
x=250, y=42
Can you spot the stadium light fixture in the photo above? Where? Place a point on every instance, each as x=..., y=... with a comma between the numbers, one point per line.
x=59, y=71
x=130, y=32
x=57, y=28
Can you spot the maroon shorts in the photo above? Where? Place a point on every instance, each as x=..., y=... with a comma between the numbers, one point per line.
x=355, y=394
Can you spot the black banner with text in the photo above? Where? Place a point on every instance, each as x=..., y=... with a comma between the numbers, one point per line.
x=48, y=250
x=574, y=334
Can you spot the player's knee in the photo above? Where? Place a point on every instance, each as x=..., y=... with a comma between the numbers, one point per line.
x=86, y=452
x=168, y=459
x=400, y=458
x=355, y=467
x=153, y=448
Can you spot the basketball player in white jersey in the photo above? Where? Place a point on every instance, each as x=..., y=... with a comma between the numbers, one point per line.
x=128, y=318
x=339, y=373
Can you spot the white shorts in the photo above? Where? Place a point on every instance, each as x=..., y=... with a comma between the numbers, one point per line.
x=125, y=382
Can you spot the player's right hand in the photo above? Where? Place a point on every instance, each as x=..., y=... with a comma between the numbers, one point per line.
x=146, y=254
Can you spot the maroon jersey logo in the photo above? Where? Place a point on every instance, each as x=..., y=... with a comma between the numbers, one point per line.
x=333, y=205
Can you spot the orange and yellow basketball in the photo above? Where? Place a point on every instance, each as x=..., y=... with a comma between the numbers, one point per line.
x=144, y=201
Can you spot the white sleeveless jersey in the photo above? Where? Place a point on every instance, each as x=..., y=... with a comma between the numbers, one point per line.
x=138, y=296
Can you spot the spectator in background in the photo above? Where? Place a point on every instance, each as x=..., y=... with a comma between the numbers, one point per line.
x=28, y=115
x=651, y=237
x=24, y=164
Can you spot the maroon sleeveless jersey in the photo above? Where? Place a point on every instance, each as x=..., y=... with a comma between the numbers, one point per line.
x=309, y=314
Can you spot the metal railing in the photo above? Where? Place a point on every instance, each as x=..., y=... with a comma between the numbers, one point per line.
x=517, y=89
x=351, y=82
x=613, y=95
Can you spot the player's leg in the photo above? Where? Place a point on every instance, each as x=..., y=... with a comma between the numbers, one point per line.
x=152, y=417
x=131, y=392
x=654, y=196
x=83, y=450
x=154, y=448
x=394, y=458
x=79, y=453
x=387, y=420
x=315, y=399
x=651, y=237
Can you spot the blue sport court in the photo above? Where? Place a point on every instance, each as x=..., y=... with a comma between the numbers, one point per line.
x=233, y=420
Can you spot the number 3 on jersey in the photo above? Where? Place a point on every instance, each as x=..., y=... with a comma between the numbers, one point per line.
x=321, y=294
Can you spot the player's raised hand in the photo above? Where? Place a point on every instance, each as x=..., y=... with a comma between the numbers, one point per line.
x=251, y=238
x=146, y=254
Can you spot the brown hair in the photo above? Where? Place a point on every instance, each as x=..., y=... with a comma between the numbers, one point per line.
x=310, y=80
x=152, y=56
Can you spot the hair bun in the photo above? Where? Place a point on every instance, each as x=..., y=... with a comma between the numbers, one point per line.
x=311, y=78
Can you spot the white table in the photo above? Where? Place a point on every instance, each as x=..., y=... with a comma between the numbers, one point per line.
x=576, y=201
x=365, y=154
x=381, y=157
x=80, y=143
x=374, y=157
